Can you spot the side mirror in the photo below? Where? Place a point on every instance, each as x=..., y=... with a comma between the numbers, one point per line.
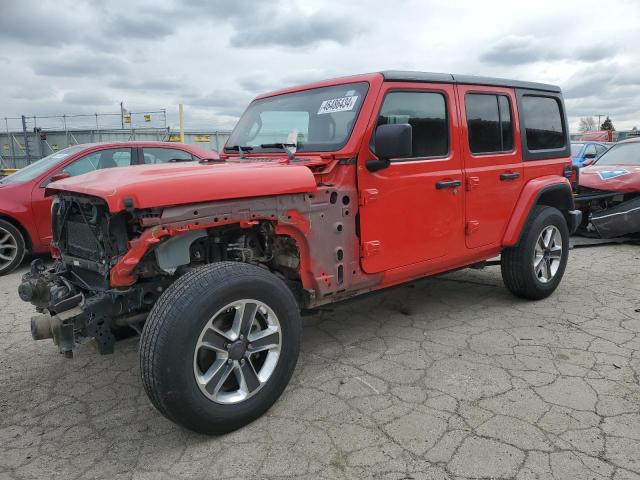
x=590, y=155
x=587, y=162
x=391, y=141
x=59, y=176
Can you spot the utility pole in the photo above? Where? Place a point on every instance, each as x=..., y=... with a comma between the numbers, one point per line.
x=599, y=122
x=26, y=140
x=122, y=115
x=181, y=117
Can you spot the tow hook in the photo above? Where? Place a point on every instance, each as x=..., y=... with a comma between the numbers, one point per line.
x=59, y=327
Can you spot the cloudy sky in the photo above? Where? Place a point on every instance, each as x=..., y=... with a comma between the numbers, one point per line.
x=59, y=56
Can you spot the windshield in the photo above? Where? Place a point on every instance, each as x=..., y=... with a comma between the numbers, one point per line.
x=38, y=167
x=575, y=149
x=621, y=154
x=317, y=120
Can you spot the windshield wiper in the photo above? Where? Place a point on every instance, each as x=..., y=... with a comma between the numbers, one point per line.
x=281, y=146
x=240, y=149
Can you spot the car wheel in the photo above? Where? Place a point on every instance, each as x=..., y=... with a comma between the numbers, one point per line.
x=12, y=247
x=533, y=268
x=220, y=346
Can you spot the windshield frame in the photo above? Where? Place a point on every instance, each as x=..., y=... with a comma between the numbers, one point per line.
x=231, y=147
x=617, y=147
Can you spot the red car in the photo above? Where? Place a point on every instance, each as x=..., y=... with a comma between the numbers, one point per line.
x=609, y=192
x=25, y=212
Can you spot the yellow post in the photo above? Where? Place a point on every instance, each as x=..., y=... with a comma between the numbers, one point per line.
x=181, y=115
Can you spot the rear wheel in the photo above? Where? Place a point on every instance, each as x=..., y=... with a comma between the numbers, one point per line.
x=12, y=247
x=220, y=346
x=533, y=268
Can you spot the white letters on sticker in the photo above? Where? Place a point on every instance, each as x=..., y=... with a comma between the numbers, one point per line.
x=343, y=104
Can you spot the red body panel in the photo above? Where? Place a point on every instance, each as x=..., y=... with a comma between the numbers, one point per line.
x=397, y=220
x=489, y=200
x=611, y=178
x=526, y=201
x=407, y=227
x=26, y=204
x=176, y=184
x=597, y=136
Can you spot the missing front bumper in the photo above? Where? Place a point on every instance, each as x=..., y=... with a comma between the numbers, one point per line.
x=623, y=219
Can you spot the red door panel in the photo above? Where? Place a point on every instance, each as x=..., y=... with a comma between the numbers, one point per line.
x=404, y=218
x=494, y=179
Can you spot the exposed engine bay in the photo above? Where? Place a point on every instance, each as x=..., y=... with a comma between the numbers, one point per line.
x=74, y=298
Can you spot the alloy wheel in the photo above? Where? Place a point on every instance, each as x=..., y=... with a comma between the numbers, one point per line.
x=8, y=248
x=547, y=254
x=237, y=351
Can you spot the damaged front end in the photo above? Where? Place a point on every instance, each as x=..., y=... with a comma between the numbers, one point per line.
x=73, y=296
x=609, y=214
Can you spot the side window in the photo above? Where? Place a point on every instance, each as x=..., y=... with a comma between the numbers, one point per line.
x=115, y=157
x=590, y=150
x=600, y=149
x=543, y=123
x=164, y=155
x=489, y=123
x=426, y=112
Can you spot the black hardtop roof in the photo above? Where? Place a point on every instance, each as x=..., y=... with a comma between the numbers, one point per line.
x=428, y=77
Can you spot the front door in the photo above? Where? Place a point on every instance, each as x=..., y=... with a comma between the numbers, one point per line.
x=412, y=211
x=493, y=168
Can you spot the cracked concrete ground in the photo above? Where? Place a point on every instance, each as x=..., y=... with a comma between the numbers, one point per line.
x=450, y=377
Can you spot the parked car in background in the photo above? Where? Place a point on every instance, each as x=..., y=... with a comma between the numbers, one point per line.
x=25, y=211
x=597, y=136
x=581, y=151
x=609, y=192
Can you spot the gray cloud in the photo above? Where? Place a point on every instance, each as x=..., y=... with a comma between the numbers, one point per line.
x=80, y=66
x=64, y=56
x=160, y=84
x=31, y=22
x=516, y=50
x=297, y=31
x=87, y=98
x=145, y=27
x=594, y=53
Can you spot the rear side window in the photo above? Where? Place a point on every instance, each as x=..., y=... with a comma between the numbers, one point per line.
x=543, y=123
x=426, y=112
x=165, y=155
x=489, y=123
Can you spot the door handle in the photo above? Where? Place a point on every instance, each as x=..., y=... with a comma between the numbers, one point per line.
x=509, y=176
x=448, y=184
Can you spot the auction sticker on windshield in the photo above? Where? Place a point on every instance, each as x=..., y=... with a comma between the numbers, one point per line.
x=343, y=104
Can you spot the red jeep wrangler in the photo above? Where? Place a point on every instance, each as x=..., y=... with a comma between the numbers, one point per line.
x=323, y=192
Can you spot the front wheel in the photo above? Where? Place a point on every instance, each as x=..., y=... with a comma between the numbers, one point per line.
x=533, y=268
x=220, y=346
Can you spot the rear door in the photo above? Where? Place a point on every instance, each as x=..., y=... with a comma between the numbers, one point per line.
x=492, y=162
x=412, y=211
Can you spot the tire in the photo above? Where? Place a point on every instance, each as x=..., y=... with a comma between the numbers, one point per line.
x=518, y=263
x=178, y=343
x=12, y=247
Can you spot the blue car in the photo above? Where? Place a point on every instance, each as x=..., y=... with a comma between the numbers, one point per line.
x=581, y=151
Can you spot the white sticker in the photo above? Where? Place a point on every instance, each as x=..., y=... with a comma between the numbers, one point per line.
x=343, y=104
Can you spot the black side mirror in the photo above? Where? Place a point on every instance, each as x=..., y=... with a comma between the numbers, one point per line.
x=590, y=155
x=391, y=141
